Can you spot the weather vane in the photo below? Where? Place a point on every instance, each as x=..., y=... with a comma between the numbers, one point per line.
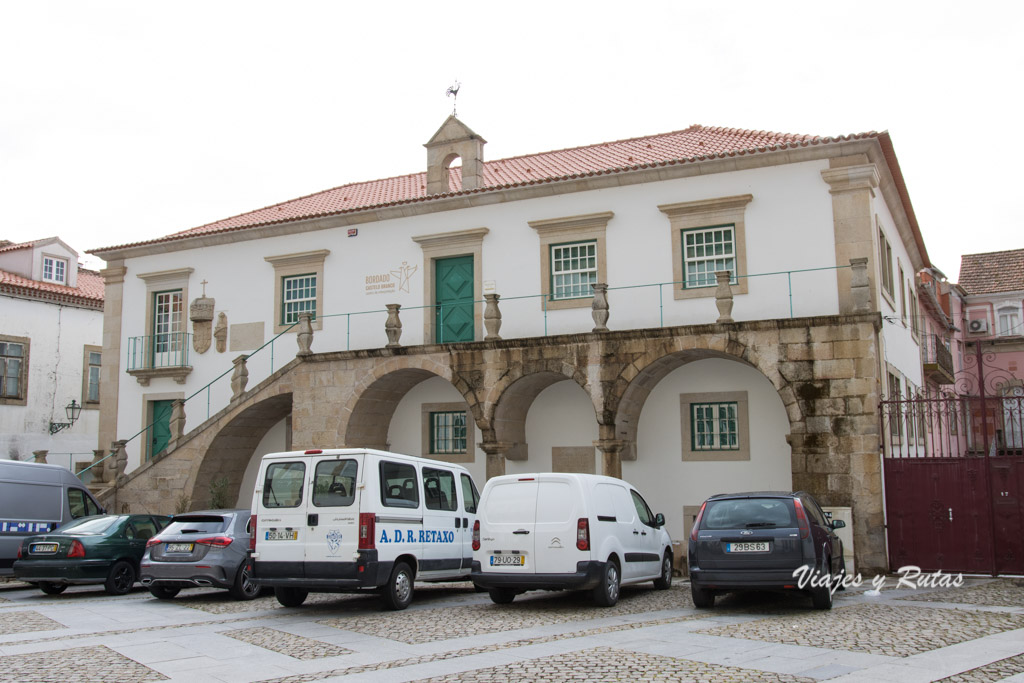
x=453, y=91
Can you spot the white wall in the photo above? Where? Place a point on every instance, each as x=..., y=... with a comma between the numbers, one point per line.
x=272, y=442
x=561, y=416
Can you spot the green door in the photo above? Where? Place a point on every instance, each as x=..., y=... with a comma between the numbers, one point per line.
x=453, y=296
x=160, y=431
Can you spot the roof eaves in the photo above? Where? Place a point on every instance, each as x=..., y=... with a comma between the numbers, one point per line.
x=901, y=187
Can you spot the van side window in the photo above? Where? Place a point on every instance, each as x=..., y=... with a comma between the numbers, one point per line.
x=335, y=482
x=282, y=487
x=439, y=489
x=642, y=511
x=398, y=485
x=80, y=504
x=469, y=495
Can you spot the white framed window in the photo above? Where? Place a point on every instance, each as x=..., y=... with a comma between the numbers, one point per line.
x=1008, y=318
x=714, y=426
x=91, y=376
x=55, y=270
x=168, y=308
x=573, y=270
x=885, y=263
x=448, y=432
x=298, y=295
x=13, y=369
x=706, y=251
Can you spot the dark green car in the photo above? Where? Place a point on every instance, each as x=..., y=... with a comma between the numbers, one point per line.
x=100, y=549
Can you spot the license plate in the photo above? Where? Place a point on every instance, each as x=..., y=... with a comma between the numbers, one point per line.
x=507, y=560
x=282, y=535
x=179, y=547
x=747, y=547
x=44, y=547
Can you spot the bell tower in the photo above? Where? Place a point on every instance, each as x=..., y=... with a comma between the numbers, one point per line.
x=454, y=140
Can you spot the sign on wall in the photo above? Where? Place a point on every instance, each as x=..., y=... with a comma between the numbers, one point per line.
x=391, y=282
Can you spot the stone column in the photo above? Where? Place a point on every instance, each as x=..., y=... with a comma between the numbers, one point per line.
x=393, y=326
x=240, y=377
x=305, y=336
x=611, y=451
x=495, y=451
x=40, y=456
x=852, y=181
x=177, y=422
x=600, y=307
x=492, y=317
x=723, y=296
x=860, y=285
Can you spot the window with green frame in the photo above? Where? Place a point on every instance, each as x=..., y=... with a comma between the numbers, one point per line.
x=298, y=295
x=706, y=251
x=573, y=270
x=447, y=432
x=714, y=426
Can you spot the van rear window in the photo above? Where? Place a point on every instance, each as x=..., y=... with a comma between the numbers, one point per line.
x=335, y=483
x=282, y=487
x=399, y=487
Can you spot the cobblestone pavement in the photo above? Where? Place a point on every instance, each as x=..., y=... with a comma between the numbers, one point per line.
x=453, y=633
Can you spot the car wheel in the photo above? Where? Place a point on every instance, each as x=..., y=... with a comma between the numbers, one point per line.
x=291, y=597
x=244, y=588
x=702, y=597
x=121, y=578
x=502, y=596
x=52, y=588
x=397, y=593
x=606, y=593
x=164, y=592
x=664, y=582
x=821, y=596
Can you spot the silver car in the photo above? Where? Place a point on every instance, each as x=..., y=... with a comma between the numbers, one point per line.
x=205, y=548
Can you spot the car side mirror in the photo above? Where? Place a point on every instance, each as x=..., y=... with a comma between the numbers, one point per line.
x=659, y=520
x=838, y=524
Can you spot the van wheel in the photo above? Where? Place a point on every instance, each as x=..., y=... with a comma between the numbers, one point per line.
x=397, y=593
x=164, y=592
x=664, y=582
x=121, y=578
x=822, y=597
x=702, y=597
x=606, y=593
x=52, y=588
x=243, y=588
x=290, y=597
x=502, y=596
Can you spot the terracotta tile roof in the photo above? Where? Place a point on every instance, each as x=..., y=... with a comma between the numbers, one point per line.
x=6, y=245
x=694, y=144
x=88, y=293
x=992, y=272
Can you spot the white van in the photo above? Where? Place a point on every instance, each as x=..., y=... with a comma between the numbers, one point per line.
x=554, y=531
x=36, y=498
x=354, y=519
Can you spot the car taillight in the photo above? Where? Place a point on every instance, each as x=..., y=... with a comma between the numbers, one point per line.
x=367, y=531
x=696, y=522
x=801, y=519
x=19, y=551
x=583, y=534
x=153, y=541
x=476, y=535
x=215, y=541
x=77, y=549
x=252, y=532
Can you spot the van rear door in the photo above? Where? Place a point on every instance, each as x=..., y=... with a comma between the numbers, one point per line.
x=281, y=521
x=507, y=525
x=332, y=515
x=558, y=513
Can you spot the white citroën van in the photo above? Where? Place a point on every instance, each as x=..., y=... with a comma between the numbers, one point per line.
x=554, y=531
x=355, y=519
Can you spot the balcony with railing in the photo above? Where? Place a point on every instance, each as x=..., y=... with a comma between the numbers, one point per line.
x=159, y=355
x=936, y=359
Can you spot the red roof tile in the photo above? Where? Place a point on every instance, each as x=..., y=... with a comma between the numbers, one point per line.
x=992, y=272
x=88, y=293
x=10, y=246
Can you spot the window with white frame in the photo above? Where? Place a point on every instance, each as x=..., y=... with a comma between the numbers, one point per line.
x=55, y=270
x=447, y=432
x=92, y=375
x=885, y=262
x=706, y=251
x=714, y=426
x=298, y=295
x=168, y=321
x=573, y=270
x=13, y=367
x=1009, y=320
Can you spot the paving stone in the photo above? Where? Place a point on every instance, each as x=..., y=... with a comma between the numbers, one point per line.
x=85, y=664
x=608, y=664
x=990, y=594
x=289, y=644
x=897, y=631
x=25, y=621
x=996, y=671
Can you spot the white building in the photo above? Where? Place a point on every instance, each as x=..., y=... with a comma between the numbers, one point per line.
x=51, y=339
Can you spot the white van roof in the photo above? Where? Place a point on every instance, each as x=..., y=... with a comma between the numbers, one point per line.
x=356, y=451
x=558, y=476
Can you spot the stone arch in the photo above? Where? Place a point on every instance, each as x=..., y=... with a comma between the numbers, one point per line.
x=229, y=452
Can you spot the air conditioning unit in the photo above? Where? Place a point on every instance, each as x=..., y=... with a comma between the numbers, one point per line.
x=978, y=326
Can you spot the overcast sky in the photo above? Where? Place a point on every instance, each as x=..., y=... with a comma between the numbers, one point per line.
x=127, y=121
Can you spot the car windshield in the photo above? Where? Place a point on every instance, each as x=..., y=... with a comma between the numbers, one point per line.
x=748, y=513
x=89, y=525
x=196, y=524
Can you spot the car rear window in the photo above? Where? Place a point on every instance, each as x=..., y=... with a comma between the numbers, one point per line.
x=89, y=525
x=748, y=513
x=197, y=524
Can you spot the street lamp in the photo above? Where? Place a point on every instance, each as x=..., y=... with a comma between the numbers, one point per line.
x=73, y=410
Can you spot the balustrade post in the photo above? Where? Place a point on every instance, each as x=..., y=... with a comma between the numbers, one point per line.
x=723, y=296
x=393, y=326
x=98, y=470
x=40, y=456
x=600, y=307
x=177, y=423
x=240, y=377
x=305, y=336
x=492, y=317
x=860, y=285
